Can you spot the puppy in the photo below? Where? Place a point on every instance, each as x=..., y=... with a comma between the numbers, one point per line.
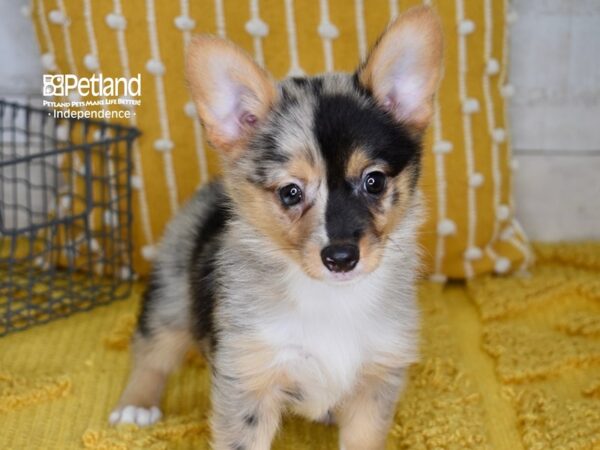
x=294, y=273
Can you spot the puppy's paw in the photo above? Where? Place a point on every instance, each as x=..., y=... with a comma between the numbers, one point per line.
x=138, y=415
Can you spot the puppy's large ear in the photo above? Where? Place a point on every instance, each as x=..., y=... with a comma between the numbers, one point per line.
x=231, y=92
x=404, y=67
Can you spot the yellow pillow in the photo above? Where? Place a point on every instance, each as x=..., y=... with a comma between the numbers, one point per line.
x=470, y=227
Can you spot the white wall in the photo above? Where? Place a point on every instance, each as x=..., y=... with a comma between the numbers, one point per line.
x=555, y=115
x=20, y=80
x=20, y=69
x=555, y=112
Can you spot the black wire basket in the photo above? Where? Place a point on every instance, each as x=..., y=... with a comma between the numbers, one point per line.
x=65, y=215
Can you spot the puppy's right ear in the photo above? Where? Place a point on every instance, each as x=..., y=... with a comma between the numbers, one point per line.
x=231, y=92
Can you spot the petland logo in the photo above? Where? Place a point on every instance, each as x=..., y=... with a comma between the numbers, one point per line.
x=105, y=90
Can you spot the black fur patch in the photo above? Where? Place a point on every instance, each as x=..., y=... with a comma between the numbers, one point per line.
x=203, y=279
x=314, y=84
x=395, y=196
x=251, y=420
x=343, y=124
x=148, y=298
x=264, y=151
x=294, y=394
x=266, y=155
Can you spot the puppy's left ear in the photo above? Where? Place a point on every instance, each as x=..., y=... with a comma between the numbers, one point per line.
x=231, y=92
x=404, y=68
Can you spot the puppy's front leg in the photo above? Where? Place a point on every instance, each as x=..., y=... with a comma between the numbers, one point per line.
x=365, y=417
x=242, y=420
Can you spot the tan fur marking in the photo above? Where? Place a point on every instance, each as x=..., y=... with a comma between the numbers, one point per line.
x=371, y=250
x=262, y=208
x=364, y=418
x=153, y=359
x=386, y=223
x=302, y=169
x=357, y=164
x=311, y=260
x=254, y=365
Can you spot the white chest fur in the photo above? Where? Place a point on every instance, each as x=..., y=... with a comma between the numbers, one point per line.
x=325, y=334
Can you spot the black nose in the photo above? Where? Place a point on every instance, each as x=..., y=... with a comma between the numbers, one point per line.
x=340, y=258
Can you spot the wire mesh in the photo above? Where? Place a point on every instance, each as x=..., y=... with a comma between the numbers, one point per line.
x=65, y=215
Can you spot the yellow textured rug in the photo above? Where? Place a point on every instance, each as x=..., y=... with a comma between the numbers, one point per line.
x=507, y=363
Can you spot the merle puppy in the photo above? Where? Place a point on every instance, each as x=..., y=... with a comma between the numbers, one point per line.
x=294, y=273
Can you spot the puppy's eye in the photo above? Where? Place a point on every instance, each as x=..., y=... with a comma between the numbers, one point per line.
x=290, y=195
x=375, y=182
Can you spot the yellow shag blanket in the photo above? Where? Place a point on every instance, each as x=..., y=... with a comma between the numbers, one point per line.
x=507, y=363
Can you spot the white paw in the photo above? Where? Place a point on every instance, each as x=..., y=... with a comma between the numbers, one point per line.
x=135, y=414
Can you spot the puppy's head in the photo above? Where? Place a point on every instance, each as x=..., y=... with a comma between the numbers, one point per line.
x=326, y=167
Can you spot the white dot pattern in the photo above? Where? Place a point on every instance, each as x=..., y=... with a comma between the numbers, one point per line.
x=476, y=107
